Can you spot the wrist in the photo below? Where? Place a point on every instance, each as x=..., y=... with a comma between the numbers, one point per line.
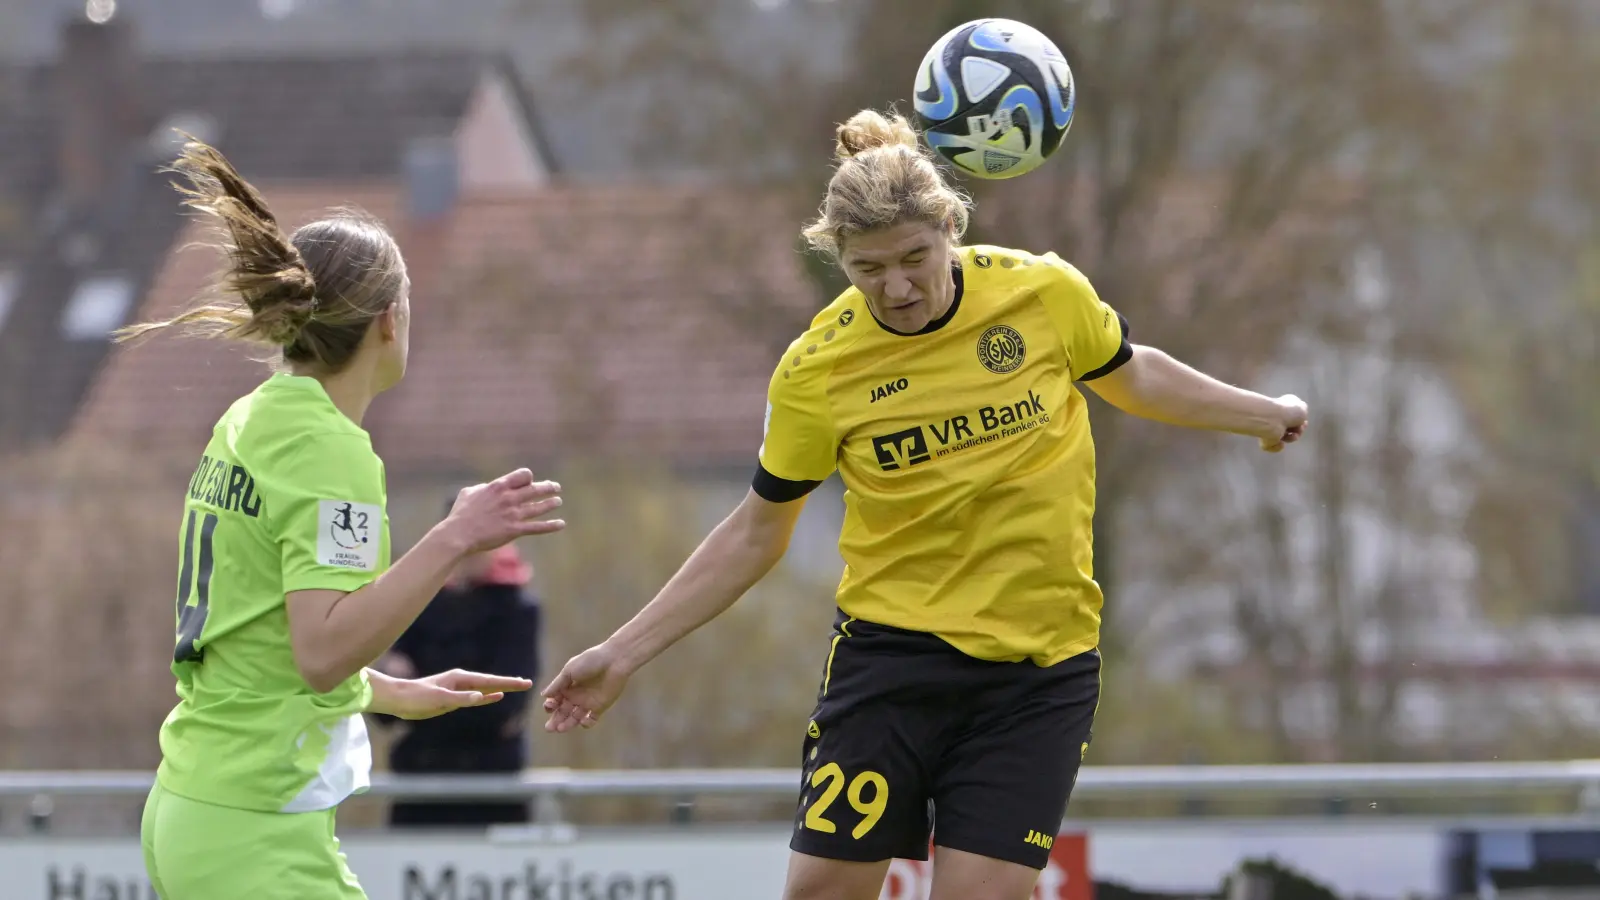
x=382, y=689
x=1264, y=419
x=628, y=652
x=449, y=537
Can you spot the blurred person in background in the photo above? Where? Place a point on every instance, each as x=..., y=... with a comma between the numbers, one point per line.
x=484, y=619
x=285, y=592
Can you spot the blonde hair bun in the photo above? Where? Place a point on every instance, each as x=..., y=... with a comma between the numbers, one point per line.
x=871, y=190
x=870, y=129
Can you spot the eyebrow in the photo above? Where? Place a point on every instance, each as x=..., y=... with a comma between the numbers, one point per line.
x=920, y=248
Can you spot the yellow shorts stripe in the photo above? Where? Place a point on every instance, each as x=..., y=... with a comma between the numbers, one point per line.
x=827, y=675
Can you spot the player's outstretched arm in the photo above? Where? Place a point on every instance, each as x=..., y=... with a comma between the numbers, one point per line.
x=1155, y=386
x=335, y=634
x=736, y=555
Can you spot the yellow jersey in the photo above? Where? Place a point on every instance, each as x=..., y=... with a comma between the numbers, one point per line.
x=965, y=453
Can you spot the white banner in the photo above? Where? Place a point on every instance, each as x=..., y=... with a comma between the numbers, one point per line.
x=1372, y=859
x=686, y=866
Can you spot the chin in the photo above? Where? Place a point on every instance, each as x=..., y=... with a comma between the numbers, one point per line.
x=909, y=318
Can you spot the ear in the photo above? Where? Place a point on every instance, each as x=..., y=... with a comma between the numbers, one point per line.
x=389, y=324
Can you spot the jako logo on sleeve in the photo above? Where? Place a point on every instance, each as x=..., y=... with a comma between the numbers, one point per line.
x=347, y=534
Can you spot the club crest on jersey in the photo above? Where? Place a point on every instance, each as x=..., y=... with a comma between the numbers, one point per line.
x=1001, y=349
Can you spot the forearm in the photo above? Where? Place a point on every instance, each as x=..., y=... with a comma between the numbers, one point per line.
x=725, y=565
x=360, y=626
x=1158, y=387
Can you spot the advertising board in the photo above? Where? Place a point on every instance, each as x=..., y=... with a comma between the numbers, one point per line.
x=1371, y=858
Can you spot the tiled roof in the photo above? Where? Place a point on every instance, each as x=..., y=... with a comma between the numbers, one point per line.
x=26, y=153
x=623, y=319
x=278, y=117
x=611, y=319
x=308, y=119
x=165, y=391
x=327, y=116
x=44, y=369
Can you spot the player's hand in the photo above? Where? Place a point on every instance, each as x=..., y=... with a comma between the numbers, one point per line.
x=587, y=686
x=435, y=695
x=1292, y=415
x=491, y=515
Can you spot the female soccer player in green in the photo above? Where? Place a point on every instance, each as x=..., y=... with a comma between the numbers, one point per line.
x=963, y=672
x=285, y=592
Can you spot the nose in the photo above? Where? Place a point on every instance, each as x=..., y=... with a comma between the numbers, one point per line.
x=896, y=287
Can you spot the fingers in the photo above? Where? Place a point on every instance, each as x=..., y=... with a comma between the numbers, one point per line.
x=534, y=490
x=535, y=501
x=518, y=487
x=553, y=689
x=503, y=683
x=1290, y=435
x=564, y=717
x=537, y=508
x=568, y=716
x=452, y=699
x=448, y=699
x=478, y=681
x=515, y=479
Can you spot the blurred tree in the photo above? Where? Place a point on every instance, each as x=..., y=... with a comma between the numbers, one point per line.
x=1518, y=194
x=1236, y=166
x=1458, y=423
x=89, y=556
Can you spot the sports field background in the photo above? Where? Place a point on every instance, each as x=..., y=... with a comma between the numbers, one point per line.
x=1389, y=209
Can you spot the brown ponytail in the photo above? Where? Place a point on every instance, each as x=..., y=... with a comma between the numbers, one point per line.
x=313, y=295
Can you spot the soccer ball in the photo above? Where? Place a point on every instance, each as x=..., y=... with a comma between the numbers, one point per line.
x=994, y=97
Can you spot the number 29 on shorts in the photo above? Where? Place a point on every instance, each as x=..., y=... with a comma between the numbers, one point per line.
x=871, y=808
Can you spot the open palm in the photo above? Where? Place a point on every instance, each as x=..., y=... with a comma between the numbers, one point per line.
x=435, y=695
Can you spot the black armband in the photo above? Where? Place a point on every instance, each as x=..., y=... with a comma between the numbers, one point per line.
x=1123, y=354
x=773, y=489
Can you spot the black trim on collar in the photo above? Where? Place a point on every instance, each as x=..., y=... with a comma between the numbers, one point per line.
x=955, y=305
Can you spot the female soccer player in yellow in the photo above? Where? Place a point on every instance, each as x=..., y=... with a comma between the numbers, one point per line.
x=963, y=667
x=285, y=593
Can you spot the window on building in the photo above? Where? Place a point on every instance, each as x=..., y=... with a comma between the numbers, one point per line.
x=98, y=307
x=8, y=293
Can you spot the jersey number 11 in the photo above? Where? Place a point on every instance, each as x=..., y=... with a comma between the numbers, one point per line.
x=194, y=579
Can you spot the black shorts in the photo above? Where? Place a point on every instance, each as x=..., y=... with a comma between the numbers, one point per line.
x=912, y=738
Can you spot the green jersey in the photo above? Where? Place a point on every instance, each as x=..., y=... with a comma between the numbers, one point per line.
x=289, y=496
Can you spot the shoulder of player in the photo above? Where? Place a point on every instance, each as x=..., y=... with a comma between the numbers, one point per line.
x=292, y=455
x=985, y=261
x=809, y=358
